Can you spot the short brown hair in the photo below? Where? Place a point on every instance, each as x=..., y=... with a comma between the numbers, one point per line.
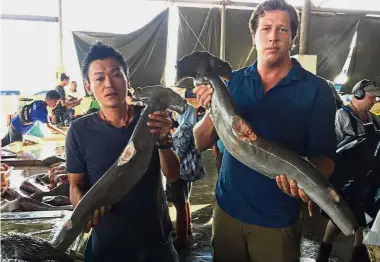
x=271, y=5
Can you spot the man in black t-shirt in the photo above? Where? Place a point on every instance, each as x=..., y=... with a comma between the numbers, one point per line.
x=138, y=227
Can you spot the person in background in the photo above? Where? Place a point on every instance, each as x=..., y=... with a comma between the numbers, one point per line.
x=60, y=114
x=178, y=192
x=356, y=181
x=256, y=218
x=72, y=93
x=365, y=95
x=72, y=96
x=23, y=122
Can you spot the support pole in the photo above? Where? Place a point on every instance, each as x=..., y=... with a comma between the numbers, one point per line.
x=305, y=27
x=223, y=30
x=60, y=46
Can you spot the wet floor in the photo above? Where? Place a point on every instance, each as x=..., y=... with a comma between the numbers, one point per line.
x=201, y=199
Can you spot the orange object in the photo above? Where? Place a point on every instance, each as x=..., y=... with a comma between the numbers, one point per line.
x=4, y=182
x=4, y=167
x=5, y=174
x=3, y=177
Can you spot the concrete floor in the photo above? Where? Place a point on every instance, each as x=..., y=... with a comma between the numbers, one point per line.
x=201, y=199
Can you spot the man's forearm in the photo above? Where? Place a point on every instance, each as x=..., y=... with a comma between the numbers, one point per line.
x=324, y=165
x=169, y=164
x=76, y=195
x=204, y=133
x=56, y=129
x=76, y=102
x=64, y=102
x=77, y=187
x=72, y=104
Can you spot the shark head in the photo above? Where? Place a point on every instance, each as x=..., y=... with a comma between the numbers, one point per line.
x=198, y=64
x=159, y=97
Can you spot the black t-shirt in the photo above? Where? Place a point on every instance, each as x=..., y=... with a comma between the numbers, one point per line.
x=61, y=90
x=141, y=218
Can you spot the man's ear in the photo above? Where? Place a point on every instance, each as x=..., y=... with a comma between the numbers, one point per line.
x=88, y=88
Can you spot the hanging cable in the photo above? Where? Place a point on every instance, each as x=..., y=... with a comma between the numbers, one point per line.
x=195, y=35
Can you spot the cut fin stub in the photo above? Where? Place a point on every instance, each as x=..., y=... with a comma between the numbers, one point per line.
x=128, y=153
x=333, y=195
x=242, y=130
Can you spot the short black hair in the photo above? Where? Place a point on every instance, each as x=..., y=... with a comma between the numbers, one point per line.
x=52, y=95
x=64, y=77
x=101, y=51
x=271, y=5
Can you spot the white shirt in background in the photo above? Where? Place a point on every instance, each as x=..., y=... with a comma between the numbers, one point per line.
x=71, y=94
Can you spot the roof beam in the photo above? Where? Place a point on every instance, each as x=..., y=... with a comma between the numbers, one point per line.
x=36, y=18
x=252, y=6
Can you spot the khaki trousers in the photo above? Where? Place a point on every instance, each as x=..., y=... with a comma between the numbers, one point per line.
x=235, y=241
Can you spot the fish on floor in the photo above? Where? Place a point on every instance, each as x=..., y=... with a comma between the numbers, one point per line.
x=29, y=204
x=21, y=247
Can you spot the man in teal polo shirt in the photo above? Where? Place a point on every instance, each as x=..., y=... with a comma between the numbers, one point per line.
x=257, y=218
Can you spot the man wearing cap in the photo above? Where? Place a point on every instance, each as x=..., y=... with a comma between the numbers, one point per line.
x=356, y=181
x=364, y=98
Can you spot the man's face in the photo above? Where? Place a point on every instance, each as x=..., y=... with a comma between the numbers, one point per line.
x=73, y=86
x=52, y=103
x=273, y=37
x=108, y=82
x=369, y=100
x=66, y=82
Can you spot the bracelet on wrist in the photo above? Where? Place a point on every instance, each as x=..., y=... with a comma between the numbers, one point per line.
x=166, y=144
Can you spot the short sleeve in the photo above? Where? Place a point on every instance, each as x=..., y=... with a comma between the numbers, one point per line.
x=74, y=159
x=322, y=139
x=61, y=92
x=42, y=114
x=343, y=126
